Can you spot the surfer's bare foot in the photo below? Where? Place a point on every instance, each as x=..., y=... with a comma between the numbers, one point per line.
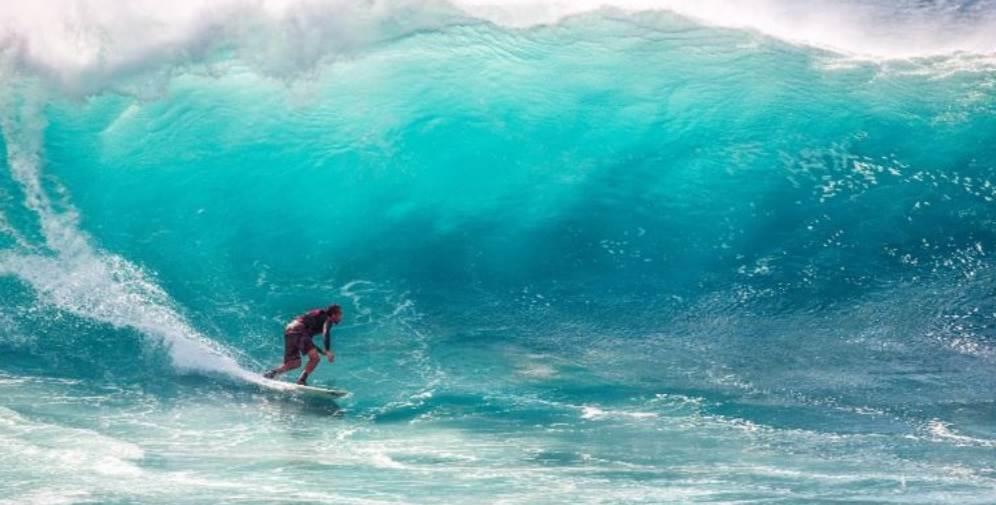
x=271, y=374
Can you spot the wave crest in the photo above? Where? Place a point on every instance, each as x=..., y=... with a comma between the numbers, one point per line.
x=88, y=43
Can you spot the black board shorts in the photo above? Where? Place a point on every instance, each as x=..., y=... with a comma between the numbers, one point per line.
x=296, y=343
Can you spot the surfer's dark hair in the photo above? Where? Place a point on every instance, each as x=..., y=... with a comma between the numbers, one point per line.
x=334, y=309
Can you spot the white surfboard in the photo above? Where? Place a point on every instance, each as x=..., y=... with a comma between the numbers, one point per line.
x=317, y=391
x=296, y=389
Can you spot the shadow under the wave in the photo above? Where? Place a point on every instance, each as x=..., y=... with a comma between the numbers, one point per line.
x=314, y=406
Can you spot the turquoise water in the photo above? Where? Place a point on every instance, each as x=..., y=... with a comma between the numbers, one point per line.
x=615, y=257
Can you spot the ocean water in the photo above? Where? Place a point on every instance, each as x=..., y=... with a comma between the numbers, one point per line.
x=588, y=252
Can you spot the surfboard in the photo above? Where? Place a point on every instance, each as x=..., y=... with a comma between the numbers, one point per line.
x=297, y=389
x=317, y=391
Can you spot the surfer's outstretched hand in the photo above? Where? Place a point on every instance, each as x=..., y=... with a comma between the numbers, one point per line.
x=331, y=356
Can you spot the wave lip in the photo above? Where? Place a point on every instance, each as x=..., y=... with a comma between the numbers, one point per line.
x=873, y=29
x=89, y=42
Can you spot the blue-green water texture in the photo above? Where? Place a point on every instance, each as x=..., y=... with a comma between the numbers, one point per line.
x=619, y=257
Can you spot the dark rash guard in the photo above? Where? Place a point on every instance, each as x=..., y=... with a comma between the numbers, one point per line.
x=297, y=335
x=313, y=321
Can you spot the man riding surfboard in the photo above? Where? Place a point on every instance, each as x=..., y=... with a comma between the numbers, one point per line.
x=297, y=341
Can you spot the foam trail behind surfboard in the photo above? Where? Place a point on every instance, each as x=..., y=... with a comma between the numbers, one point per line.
x=66, y=271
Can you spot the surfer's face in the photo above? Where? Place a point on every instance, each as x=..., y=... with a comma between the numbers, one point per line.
x=335, y=317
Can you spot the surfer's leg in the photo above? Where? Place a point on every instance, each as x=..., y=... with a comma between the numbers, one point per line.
x=292, y=356
x=313, y=361
x=288, y=365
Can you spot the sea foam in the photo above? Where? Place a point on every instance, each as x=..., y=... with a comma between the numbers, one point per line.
x=85, y=45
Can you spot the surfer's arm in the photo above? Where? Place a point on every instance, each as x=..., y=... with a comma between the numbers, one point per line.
x=326, y=338
x=327, y=343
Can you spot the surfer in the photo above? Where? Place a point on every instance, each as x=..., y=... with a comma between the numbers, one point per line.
x=297, y=341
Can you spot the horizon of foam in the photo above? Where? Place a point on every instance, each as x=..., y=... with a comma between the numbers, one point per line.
x=84, y=45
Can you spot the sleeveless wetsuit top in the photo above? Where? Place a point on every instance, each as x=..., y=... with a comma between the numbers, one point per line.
x=312, y=321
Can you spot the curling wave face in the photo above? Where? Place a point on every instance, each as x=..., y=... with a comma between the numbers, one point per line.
x=89, y=44
x=588, y=252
